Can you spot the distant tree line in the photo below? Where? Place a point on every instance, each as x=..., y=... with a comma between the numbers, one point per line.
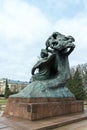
x=78, y=81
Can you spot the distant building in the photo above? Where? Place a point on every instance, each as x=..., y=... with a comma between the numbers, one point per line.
x=15, y=86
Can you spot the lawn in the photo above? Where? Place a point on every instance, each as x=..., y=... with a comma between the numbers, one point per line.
x=3, y=101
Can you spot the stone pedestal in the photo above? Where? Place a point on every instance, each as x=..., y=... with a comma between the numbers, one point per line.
x=39, y=108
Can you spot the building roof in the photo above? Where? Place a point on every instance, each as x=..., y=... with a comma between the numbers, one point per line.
x=15, y=81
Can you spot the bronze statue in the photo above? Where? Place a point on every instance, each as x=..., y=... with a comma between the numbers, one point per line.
x=53, y=68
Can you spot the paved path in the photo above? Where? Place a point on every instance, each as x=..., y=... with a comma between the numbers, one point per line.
x=81, y=125
x=45, y=124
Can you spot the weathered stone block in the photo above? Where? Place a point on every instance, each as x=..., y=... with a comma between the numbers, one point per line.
x=39, y=108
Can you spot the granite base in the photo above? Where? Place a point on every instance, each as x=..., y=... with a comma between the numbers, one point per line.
x=39, y=108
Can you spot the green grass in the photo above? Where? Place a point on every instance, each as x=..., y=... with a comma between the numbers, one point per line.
x=85, y=104
x=85, y=101
x=3, y=101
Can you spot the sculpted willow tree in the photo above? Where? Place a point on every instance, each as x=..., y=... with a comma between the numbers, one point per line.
x=54, y=71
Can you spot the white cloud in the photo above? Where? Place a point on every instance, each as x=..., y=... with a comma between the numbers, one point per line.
x=19, y=19
x=22, y=28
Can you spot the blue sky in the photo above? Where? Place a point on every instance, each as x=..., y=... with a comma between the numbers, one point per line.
x=25, y=25
x=56, y=9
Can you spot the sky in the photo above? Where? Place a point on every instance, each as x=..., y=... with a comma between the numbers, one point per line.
x=25, y=26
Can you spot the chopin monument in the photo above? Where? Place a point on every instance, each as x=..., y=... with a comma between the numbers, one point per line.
x=47, y=95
